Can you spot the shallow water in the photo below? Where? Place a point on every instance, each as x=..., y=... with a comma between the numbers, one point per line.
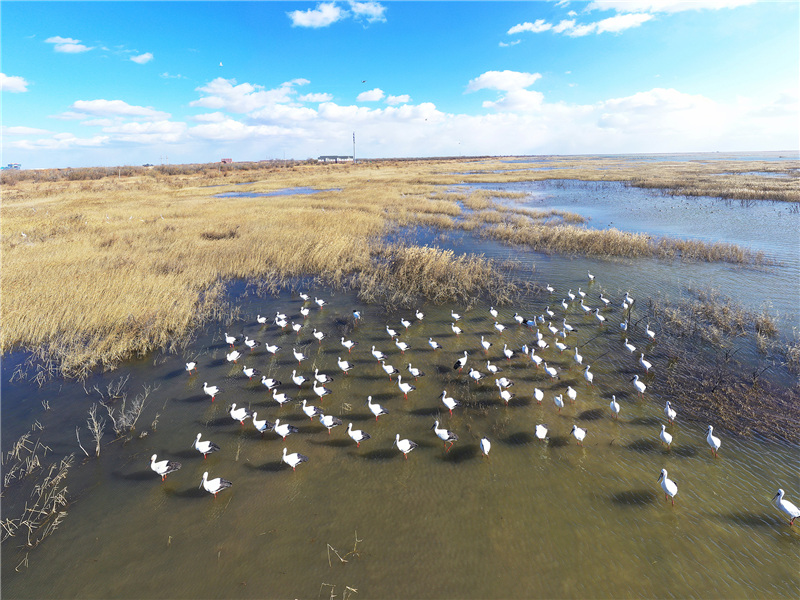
x=532, y=519
x=283, y=192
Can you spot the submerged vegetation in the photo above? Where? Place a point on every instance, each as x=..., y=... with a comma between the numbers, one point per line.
x=104, y=265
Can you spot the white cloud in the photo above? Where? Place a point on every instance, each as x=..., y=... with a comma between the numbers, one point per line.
x=537, y=26
x=224, y=94
x=517, y=101
x=22, y=130
x=315, y=98
x=509, y=44
x=370, y=96
x=61, y=141
x=371, y=11
x=13, y=83
x=666, y=6
x=80, y=109
x=166, y=75
x=325, y=14
x=401, y=99
x=502, y=80
x=564, y=25
x=67, y=45
x=215, y=117
x=142, y=58
x=151, y=132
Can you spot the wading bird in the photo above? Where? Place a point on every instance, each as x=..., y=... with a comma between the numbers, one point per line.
x=216, y=485
x=205, y=447
x=670, y=487
x=163, y=467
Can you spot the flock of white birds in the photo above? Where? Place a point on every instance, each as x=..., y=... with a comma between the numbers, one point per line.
x=546, y=337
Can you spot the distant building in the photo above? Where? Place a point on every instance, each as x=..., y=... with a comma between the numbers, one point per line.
x=335, y=159
x=13, y=167
x=227, y=161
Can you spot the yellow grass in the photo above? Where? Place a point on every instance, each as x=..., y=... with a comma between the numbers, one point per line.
x=117, y=266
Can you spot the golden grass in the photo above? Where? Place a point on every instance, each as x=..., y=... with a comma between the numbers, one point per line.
x=113, y=267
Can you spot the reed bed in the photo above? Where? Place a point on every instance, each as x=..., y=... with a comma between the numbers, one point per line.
x=99, y=268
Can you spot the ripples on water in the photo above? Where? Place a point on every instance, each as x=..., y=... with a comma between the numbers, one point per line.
x=532, y=519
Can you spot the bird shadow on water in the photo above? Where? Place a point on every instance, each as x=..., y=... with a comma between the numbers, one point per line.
x=744, y=519
x=644, y=445
x=646, y=421
x=634, y=498
x=591, y=415
x=174, y=374
x=380, y=454
x=519, y=438
x=460, y=453
x=194, y=492
x=273, y=466
x=333, y=443
x=558, y=441
x=136, y=475
x=425, y=412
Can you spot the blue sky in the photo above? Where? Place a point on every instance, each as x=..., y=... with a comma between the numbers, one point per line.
x=108, y=83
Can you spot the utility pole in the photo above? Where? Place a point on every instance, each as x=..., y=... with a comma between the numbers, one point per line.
x=354, y=147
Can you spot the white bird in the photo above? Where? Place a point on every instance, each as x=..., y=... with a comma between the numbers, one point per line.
x=486, y=446
x=405, y=323
x=536, y=359
x=499, y=326
x=330, y=422
x=272, y=349
x=449, y=402
x=322, y=378
x=405, y=446
x=505, y=395
x=456, y=329
x=567, y=326
x=349, y=344
x=588, y=376
x=375, y=408
x=579, y=434
x=284, y=429
x=571, y=295
x=550, y=371
x=211, y=390
x=561, y=346
x=249, y=372
x=420, y=315
x=586, y=309
x=390, y=370
x=461, y=362
x=299, y=356
x=508, y=352
x=320, y=390
x=163, y=467
x=230, y=339
x=356, y=316
x=629, y=347
x=299, y=380
x=476, y=375
x=712, y=440
x=665, y=436
x=216, y=485
x=581, y=293
x=493, y=369
x=239, y=414
x=319, y=335
x=577, y=358
x=549, y=312
x=445, y=435
x=486, y=344
x=378, y=354
x=261, y=425
x=269, y=382
x=598, y=316
x=650, y=333
x=624, y=325
x=252, y=344
x=669, y=486
x=549, y=288
x=493, y=312
x=571, y=393
x=519, y=318
x=319, y=302
x=402, y=346
x=542, y=344
x=604, y=300
x=282, y=323
x=296, y=327
x=454, y=315
x=670, y=412
x=295, y=458
x=559, y=401
x=304, y=310
x=233, y=356
x=433, y=344
x=415, y=372
x=646, y=364
x=280, y=397
x=304, y=297
x=640, y=387
x=404, y=387
x=628, y=300
x=538, y=395
x=311, y=411
x=191, y=366
x=591, y=277
x=504, y=382
x=344, y=365
x=565, y=304
x=392, y=333
x=205, y=447
x=541, y=431
x=789, y=509
x=357, y=435
x=614, y=406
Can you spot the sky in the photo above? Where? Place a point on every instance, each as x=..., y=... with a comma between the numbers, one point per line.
x=118, y=83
